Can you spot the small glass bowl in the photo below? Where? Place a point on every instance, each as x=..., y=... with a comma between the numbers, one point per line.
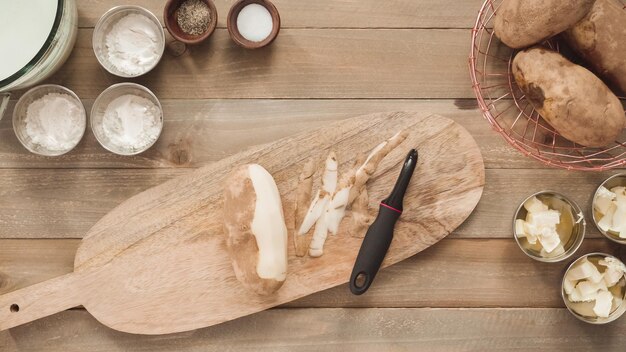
x=613, y=181
x=587, y=319
x=578, y=230
x=19, y=116
x=99, y=107
x=103, y=26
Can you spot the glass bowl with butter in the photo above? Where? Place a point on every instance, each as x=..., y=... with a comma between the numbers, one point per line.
x=609, y=208
x=548, y=226
x=594, y=288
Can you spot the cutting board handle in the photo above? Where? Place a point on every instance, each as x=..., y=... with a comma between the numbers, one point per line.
x=38, y=301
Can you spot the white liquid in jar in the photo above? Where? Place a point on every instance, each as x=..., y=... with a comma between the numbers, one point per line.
x=26, y=27
x=254, y=23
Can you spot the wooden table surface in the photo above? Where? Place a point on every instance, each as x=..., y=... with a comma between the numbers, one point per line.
x=333, y=59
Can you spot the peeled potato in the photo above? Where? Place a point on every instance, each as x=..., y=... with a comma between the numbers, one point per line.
x=255, y=228
x=521, y=23
x=569, y=97
x=600, y=38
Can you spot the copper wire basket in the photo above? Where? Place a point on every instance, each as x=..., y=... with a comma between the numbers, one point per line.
x=505, y=107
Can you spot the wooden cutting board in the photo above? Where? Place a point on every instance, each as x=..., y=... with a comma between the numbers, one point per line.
x=158, y=262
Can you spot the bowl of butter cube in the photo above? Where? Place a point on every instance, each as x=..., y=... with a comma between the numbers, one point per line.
x=594, y=288
x=549, y=227
x=609, y=208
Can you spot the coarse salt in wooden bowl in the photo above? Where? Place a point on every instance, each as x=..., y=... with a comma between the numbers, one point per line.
x=170, y=14
x=233, y=30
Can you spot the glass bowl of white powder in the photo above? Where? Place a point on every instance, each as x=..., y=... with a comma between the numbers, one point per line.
x=126, y=118
x=49, y=120
x=128, y=41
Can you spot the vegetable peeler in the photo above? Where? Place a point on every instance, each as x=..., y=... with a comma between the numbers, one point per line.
x=380, y=233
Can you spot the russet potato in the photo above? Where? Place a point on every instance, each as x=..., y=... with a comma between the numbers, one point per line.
x=569, y=97
x=600, y=39
x=522, y=23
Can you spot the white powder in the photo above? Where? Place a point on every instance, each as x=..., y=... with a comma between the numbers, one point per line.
x=55, y=122
x=131, y=122
x=133, y=44
x=254, y=22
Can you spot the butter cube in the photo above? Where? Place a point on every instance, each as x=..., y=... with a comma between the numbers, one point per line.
x=612, y=277
x=534, y=205
x=540, y=225
x=519, y=228
x=620, y=193
x=619, y=218
x=549, y=239
x=531, y=229
x=606, y=221
x=604, y=301
x=546, y=218
x=556, y=252
x=610, y=262
x=531, y=232
x=568, y=286
x=604, y=199
x=576, y=296
x=587, y=288
x=596, y=276
x=580, y=271
x=614, y=270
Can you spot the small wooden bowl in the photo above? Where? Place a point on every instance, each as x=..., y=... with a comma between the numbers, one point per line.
x=231, y=23
x=169, y=17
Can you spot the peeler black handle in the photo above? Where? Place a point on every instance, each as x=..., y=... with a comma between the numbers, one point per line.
x=373, y=249
x=380, y=233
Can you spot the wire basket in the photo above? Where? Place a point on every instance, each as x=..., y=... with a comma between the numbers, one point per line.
x=505, y=107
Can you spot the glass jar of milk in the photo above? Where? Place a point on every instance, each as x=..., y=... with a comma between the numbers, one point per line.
x=36, y=37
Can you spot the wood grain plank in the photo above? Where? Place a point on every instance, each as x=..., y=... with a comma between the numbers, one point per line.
x=424, y=329
x=65, y=203
x=329, y=13
x=25, y=262
x=454, y=273
x=197, y=132
x=301, y=63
